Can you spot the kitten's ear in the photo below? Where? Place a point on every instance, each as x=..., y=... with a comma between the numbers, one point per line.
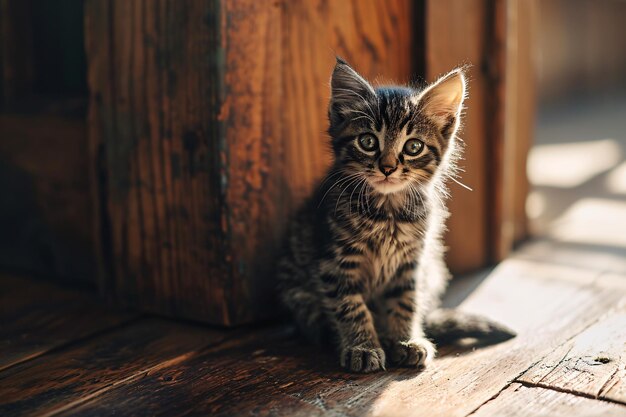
x=349, y=91
x=442, y=102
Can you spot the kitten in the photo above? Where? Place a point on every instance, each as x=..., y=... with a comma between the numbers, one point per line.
x=363, y=258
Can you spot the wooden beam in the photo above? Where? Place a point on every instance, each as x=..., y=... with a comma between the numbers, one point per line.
x=456, y=35
x=519, y=104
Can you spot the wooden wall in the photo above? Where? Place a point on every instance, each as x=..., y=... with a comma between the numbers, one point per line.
x=580, y=48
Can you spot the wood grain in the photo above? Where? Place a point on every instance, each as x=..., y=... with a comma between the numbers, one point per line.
x=64, y=379
x=160, y=155
x=255, y=205
x=375, y=37
x=200, y=161
x=592, y=363
x=520, y=108
x=37, y=317
x=547, y=305
x=575, y=48
x=520, y=401
x=455, y=36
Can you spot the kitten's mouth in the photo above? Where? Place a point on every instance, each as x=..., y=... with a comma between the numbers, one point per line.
x=387, y=185
x=386, y=180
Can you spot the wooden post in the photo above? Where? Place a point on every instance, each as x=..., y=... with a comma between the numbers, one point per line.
x=207, y=124
x=492, y=37
x=456, y=34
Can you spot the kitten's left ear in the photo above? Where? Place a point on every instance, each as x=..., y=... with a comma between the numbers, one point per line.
x=442, y=102
x=349, y=92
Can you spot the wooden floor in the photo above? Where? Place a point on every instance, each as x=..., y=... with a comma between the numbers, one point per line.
x=63, y=354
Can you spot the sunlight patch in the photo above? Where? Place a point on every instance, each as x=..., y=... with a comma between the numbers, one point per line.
x=568, y=165
x=593, y=221
x=616, y=180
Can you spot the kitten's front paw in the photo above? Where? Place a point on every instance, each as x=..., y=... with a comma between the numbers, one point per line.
x=412, y=353
x=362, y=359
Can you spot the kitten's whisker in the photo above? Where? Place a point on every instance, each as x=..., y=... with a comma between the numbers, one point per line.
x=350, y=200
x=343, y=191
x=461, y=184
x=341, y=180
x=362, y=194
x=328, y=177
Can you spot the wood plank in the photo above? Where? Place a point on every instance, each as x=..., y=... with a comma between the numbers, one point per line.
x=455, y=36
x=36, y=317
x=207, y=125
x=592, y=363
x=155, y=78
x=520, y=401
x=546, y=304
x=519, y=104
x=255, y=198
x=64, y=378
x=373, y=36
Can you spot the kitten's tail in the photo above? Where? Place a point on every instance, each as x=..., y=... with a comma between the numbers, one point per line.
x=447, y=325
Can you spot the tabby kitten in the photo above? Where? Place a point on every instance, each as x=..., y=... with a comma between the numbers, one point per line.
x=363, y=260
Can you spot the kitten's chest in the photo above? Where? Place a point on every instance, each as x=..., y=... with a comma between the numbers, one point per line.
x=390, y=245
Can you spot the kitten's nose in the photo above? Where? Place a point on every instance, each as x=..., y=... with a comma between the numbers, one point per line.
x=387, y=168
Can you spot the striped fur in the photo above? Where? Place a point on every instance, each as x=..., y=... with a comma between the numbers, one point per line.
x=363, y=260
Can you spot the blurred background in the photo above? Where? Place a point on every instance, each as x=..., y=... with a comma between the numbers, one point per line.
x=153, y=153
x=576, y=165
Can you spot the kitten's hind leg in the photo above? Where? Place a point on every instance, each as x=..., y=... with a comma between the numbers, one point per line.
x=307, y=312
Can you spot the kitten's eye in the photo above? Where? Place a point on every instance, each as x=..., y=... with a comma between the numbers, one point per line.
x=368, y=142
x=413, y=147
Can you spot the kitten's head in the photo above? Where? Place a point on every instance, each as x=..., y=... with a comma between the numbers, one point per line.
x=393, y=136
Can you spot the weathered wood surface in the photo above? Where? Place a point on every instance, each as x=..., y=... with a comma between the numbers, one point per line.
x=520, y=83
x=592, y=363
x=37, y=317
x=520, y=401
x=207, y=128
x=160, y=154
x=546, y=304
x=463, y=41
x=375, y=37
x=63, y=379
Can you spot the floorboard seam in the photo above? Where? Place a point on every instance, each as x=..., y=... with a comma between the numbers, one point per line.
x=113, y=385
x=73, y=342
x=572, y=392
x=542, y=357
x=202, y=351
x=606, y=387
x=493, y=397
